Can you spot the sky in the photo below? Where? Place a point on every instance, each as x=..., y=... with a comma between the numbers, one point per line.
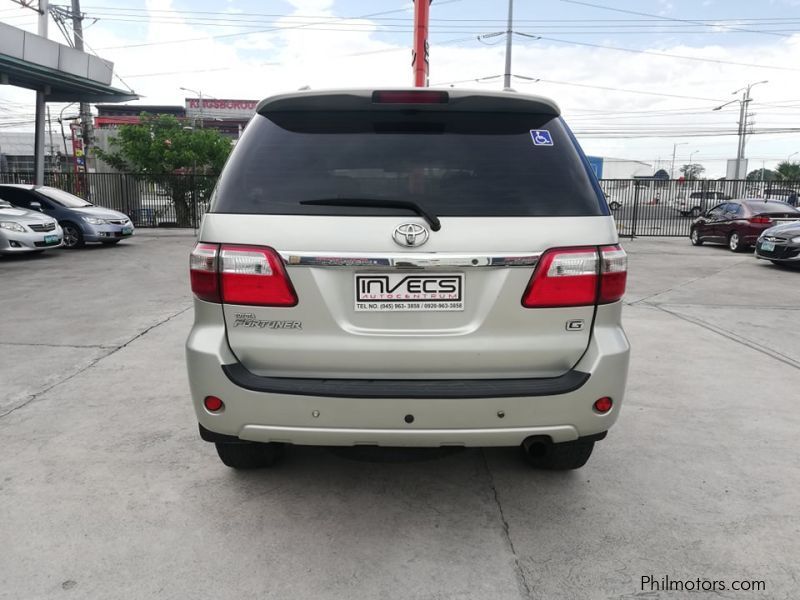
x=635, y=79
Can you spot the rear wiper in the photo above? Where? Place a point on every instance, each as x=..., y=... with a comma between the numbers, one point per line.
x=432, y=220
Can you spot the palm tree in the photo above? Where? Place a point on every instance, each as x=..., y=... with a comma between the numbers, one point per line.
x=788, y=171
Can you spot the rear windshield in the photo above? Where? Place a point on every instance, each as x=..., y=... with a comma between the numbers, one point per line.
x=452, y=164
x=769, y=207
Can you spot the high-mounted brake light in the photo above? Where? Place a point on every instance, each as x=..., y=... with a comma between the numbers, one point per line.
x=577, y=277
x=249, y=275
x=410, y=97
x=203, y=272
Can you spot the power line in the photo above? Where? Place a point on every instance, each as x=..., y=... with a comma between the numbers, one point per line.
x=660, y=54
x=661, y=17
x=269, y=30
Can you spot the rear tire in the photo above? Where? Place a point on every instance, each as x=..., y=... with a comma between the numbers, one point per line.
x=694, y=236
x=735, y=242
x=560, y=457
x=249, y=455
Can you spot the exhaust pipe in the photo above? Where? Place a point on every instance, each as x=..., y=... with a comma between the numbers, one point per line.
x=537, y=446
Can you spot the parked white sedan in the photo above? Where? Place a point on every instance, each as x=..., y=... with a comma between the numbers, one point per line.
x=27, y=230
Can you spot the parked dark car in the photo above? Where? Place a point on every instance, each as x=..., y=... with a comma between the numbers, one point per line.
x=81, y=221
x=780, y=244
x=739, y=223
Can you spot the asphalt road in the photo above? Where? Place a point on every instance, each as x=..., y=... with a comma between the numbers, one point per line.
x=106, y=491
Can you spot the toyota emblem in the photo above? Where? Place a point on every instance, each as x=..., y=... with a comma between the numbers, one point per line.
x=410, y=235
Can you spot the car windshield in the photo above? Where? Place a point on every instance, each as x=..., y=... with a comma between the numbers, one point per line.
x=63, y=198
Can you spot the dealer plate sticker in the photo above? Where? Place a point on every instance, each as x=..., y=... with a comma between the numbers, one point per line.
x=409, y=292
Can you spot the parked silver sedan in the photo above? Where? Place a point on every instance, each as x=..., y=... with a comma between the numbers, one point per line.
x=27, y=230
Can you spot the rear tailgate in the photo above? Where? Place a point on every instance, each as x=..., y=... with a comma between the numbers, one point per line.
x=506, y=185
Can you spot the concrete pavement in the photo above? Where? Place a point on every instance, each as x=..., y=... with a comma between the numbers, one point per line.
x=107, y=492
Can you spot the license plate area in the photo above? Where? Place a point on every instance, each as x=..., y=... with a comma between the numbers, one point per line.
x=768, y=246
x=51, y=239
x=409, y=292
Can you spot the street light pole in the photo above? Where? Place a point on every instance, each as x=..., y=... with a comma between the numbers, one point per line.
x=789, y=158
x=199, y=95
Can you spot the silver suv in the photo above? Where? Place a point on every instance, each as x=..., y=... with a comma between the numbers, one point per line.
x=407, y=268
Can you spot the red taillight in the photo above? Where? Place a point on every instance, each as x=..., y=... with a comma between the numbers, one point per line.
x=250, y=275
x=563, y=277
x=411, y=97
x=577, y=277
x=603, y=405
x=203, y=272
x=213, y=404
x=760, y=220
x=254, y=275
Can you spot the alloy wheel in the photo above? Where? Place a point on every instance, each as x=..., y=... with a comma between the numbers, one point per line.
x=71, y=236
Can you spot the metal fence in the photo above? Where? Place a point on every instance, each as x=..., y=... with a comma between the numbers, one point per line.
x=174, y=200
x=641, y=207
x=650, y=207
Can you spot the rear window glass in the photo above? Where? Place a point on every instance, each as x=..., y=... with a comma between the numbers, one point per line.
x=453, y=164
x=766, y=207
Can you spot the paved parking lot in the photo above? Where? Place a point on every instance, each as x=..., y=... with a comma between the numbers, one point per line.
x=106, y=491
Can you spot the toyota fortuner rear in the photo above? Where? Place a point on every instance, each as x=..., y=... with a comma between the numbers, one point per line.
x=407, y=268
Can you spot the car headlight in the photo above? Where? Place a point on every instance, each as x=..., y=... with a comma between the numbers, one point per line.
x=796, y=240
x=12, y=226
x=94, y=221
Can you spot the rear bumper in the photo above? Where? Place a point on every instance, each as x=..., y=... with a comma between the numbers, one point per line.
x=445, y=412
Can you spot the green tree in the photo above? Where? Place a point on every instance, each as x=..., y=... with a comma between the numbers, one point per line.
x=762, y=175
x=179, y=159
x=692, y=171
x=788, y=171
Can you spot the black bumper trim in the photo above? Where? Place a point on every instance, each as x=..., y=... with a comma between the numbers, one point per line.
x=406, y=388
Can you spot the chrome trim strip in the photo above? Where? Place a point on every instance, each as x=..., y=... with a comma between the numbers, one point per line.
x=410, y=260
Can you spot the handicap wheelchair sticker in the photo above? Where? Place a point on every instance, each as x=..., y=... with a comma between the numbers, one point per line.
x=541, y=137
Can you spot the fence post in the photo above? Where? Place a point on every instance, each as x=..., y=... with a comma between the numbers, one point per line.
x=635, y=208
x=194, y=199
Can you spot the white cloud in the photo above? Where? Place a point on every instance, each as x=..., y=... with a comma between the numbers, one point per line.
x=259, y=64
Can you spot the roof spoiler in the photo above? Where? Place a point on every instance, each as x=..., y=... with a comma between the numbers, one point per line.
x=457, y=100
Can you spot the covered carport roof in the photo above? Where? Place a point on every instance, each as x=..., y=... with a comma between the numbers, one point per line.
x=64, y=74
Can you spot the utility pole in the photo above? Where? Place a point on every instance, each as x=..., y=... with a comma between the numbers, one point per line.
x=419, y=54
x=742, y=129
x=674, y=148
x=743, y=115
x=509, y=33
x=38, y=138
x=85, y=110
x=419, y=60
